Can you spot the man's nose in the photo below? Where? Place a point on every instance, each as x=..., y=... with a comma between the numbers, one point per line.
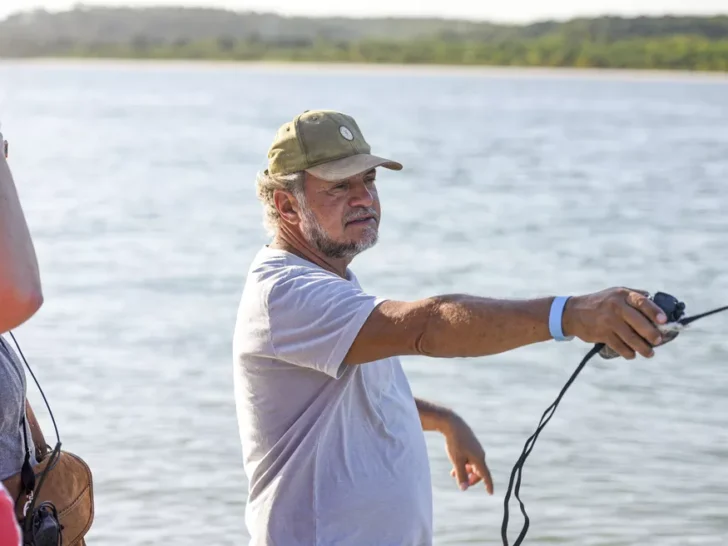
x=361, y=196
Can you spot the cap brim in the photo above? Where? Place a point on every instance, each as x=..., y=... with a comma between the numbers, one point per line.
x=347, y=167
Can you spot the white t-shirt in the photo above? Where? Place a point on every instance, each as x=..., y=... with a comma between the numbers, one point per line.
x=335, y=454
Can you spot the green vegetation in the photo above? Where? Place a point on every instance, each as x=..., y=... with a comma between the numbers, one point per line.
x=685, y=43
x=678, y=52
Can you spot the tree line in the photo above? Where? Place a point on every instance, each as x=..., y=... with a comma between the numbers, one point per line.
x=672, y=53
x=684, y=43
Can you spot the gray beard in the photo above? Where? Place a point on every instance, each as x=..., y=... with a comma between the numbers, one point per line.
x=318, y=238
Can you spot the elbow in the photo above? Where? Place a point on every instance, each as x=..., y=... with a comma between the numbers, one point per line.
x=19, y=306
x=433, y=331
x=34, y=300
x=443, y=333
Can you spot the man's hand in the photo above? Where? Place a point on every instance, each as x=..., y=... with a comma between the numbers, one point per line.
x=623, y=319
x=466, y=454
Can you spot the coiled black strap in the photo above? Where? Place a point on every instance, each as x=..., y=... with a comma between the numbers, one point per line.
x=518, y=467
x=545, y=418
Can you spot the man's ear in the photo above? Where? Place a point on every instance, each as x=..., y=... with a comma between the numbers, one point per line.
x=287, y=206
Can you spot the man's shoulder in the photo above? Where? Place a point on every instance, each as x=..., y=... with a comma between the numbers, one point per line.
x=273, y=269
x=285, y=295
x=277, y=272
x=278, y=279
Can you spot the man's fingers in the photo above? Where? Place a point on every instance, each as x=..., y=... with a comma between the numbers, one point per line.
x=472, y=478
x=616, y=343
x=642, y=326
x=461, y=474
x=475, y=476
x=643, y=292
x=632, y=340
x=647, y=307
x=481, y=469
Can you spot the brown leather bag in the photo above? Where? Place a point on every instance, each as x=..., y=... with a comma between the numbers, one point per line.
x=69, y=486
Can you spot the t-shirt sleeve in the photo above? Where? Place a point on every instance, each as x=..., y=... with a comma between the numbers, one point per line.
x=314, y=319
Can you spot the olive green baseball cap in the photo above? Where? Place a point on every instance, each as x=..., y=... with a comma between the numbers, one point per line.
x=327, y=144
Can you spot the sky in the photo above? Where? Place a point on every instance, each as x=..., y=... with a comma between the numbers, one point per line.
x=516, y=11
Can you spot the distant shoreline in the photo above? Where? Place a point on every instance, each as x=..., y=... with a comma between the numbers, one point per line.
x=381, y=68
x=610, y=44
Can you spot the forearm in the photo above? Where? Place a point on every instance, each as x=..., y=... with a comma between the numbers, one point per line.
x=469, y=326
x=20, y=288
x=432, y=416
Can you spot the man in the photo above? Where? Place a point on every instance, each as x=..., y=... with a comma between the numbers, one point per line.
x=332, y=436
x=20, y=298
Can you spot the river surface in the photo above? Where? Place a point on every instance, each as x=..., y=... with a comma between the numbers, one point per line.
x=138, y=184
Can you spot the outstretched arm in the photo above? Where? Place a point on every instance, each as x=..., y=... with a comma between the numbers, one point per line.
x=20, y=288
x=460, y=325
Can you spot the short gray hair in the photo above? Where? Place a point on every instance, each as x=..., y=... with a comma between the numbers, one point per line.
x=266, y=184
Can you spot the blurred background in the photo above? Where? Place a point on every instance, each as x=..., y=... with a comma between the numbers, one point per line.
x=549, y=148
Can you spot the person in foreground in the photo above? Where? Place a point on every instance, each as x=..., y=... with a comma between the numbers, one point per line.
x=20, y=298
x=332, y=435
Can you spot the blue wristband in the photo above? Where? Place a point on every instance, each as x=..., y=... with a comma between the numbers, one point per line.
x=555, y=316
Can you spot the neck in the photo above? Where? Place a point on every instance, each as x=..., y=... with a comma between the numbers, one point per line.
x=295, y=243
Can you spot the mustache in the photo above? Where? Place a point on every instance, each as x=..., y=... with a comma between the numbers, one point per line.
x=361, y=214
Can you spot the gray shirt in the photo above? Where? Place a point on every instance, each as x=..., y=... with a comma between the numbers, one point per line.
x=334, y=454
x=12, y=410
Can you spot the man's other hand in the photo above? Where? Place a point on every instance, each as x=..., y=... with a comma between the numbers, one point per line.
x=466, y=455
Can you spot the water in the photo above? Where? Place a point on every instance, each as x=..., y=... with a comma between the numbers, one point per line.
x=137, y=181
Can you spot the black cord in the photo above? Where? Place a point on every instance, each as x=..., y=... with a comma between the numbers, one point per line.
x=58, y=438
x=528, y=447
x=27, y=474
x=545, y=418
